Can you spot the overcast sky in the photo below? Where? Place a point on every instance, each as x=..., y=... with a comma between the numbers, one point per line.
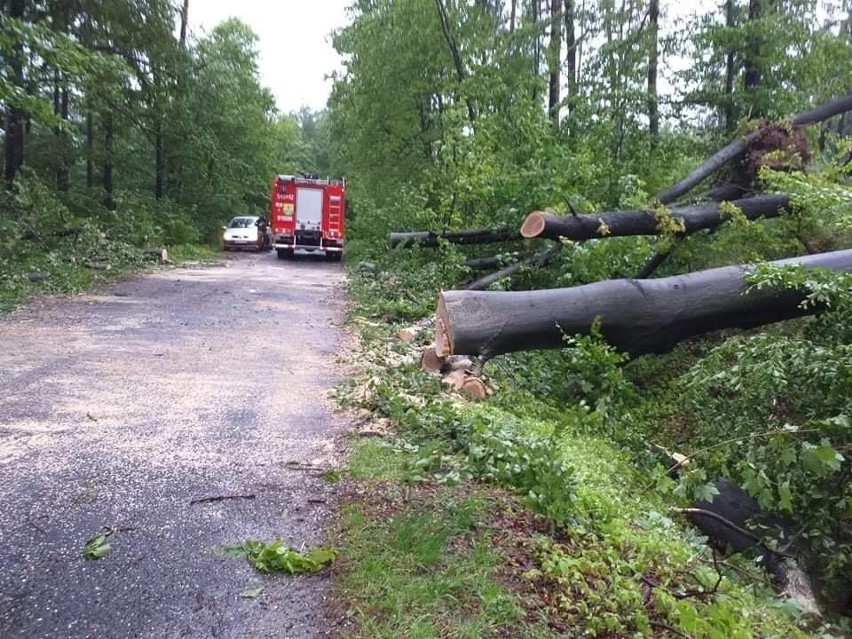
x=295, y=47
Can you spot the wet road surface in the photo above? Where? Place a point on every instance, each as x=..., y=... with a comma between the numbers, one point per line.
x=119, y=409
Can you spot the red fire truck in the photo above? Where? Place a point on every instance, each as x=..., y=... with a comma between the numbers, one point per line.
x=308, y=213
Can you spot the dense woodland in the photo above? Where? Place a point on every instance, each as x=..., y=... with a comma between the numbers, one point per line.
x=122, y=129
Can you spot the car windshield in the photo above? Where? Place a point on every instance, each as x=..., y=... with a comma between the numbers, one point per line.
x=241, y=223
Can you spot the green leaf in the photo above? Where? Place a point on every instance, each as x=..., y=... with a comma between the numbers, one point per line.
x=96, y=548
x=706, y=492
x=828, y=456
x=785, y=497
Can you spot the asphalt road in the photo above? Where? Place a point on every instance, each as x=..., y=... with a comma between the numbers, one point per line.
x=119, y=409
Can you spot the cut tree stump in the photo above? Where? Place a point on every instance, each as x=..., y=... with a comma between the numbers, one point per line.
x=636, y=316
x=157, y=253
x=467, y=385
x=430, y=361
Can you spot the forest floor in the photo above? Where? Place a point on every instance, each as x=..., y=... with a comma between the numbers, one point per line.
x=178, y=413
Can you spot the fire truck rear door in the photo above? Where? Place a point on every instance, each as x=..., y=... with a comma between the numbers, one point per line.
x=308, y=209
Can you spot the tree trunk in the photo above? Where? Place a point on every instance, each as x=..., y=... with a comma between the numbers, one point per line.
x=738, y=147
x=653, y=106
x=554, y=61
x=470, y=236
x=109, y=199
x=634, y=316
x=512, y=15
x=455, y=54
x=536, y=46
x=570, y=57
x=752, y=63
x=159, y=163
x=15, y=116
x=159, y=149
x=90, y=150
x=687, y=219
x=184, y=19
x=730, y=73
x=60, y=108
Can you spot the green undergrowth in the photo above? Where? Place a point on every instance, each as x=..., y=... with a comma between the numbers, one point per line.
x=566, y=434
x=53, y=245
x=422, y=562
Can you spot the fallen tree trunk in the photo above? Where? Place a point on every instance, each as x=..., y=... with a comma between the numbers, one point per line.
x=738, y=147
x=470, y=236
x=622, y=223
x=636, y=316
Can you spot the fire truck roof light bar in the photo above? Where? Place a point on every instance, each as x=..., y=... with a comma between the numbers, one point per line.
x=301, y=179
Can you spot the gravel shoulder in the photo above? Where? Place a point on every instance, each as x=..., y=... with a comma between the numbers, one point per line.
x=120, y=408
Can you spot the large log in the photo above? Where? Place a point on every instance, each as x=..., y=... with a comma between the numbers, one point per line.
x=645, y=222
x=738, y=147
x=470, y=236
x=636, y=316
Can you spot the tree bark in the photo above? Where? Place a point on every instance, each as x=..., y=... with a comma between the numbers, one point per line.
x=106, y=177
x=90, y=149
x=184, y=20
x=634, y=316
x=622, y=223
x=653, y=106
x=455, y=54
x=738, y=147
x=512, y=15
x=570, y=58
x=730, y=72
x=470, y=236
x=554, y=61
x=15, y=116
x=752, y=63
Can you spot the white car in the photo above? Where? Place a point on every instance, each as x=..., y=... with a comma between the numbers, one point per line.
x=246, y=232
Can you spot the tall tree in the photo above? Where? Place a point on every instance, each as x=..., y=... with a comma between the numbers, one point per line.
x=730, y=70
x=653, y=54
x=555, y=61
x=570, y=54
x=15, y=114
x=752, y=62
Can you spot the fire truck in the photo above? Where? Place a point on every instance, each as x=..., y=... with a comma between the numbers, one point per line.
x=308, y=213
